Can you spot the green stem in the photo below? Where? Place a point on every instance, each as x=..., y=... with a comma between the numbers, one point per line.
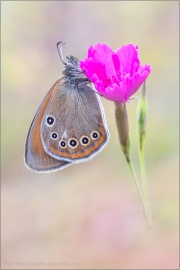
x=144, y=182
x=148, y=217
x=122, y=124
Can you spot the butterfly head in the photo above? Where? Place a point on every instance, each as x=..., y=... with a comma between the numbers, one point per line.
x=72, y=69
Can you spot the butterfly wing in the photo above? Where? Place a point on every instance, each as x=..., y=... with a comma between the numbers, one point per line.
x=35, y=156
x=74, y=127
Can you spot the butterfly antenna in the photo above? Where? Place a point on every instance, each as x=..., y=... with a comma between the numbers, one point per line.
x=59, y=48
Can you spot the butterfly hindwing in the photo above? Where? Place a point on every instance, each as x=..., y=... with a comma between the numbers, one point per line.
x=73, y=127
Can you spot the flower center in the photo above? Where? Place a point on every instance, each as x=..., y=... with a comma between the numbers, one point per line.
x=114, y=79
x=118, y=75
x=111, y=78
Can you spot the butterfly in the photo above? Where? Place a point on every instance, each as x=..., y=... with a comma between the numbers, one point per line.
x=69, y=126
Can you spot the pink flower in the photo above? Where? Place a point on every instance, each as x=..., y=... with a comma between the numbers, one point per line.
x=116, y=75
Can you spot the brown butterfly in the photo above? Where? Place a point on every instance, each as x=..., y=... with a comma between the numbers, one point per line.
x=69, y=126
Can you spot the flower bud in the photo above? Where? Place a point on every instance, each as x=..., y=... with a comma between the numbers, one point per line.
x=141, y=117
x=122, y=124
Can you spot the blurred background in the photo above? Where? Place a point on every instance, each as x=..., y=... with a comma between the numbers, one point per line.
x=88, y=216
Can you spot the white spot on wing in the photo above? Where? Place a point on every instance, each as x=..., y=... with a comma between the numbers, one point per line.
x=64, y=136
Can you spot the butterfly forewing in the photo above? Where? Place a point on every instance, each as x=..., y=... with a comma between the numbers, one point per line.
x=35, y=156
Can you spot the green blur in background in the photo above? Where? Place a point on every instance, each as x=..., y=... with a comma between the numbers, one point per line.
x=88, y=216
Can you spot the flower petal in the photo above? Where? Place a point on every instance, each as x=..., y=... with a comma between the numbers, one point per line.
x=102, y=53
x=128, y=57
x=90, y=68
x=98, y=84
x=133, y=83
